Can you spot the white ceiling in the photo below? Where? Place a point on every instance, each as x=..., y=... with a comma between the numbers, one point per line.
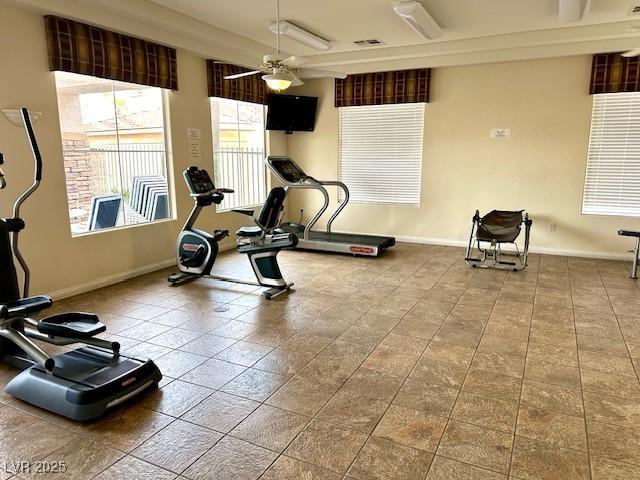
x=344, y=21
x=475, y=31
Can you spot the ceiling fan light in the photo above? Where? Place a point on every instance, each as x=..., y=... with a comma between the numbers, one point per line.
x=278, y=81
x=417, y=17
x=298, y=34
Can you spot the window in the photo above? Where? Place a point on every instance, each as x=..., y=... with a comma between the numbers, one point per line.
x=115, y=160
x=612, y=182
x=239, y=152
x=381, y=152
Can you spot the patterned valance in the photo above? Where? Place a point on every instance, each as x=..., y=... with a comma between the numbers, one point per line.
x=613, y=73
x=400, y=86
x=246, y=89
x=79, y=48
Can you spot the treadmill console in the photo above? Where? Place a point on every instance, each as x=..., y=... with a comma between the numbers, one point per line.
x=198, y=181
x=288, y=169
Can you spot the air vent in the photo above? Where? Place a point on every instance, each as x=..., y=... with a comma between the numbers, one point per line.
x=369, y=43
x=634, y=10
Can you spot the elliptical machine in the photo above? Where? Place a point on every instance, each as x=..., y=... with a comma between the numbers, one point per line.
x=197, y=250
x=80, y=384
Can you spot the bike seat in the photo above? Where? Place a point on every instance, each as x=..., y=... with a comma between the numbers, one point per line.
x=249, y=232
x=71, y=325
x=277, y=242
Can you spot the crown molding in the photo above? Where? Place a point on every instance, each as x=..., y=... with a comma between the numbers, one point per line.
x=161, y=24
x=546, y=43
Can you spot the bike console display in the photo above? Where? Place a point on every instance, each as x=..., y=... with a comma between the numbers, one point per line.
x=198, y=181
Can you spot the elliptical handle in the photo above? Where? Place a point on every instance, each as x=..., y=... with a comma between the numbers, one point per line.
x=26, y=120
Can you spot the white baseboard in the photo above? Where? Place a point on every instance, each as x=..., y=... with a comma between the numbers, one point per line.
x=120, y=277
x=532, y=248
x=136, y=272
x=110, y=279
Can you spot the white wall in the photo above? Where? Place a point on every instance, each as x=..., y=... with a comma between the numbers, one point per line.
x=540, y=168
x=59, y=262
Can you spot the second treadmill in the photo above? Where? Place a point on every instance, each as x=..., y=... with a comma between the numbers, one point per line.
x=292, y=176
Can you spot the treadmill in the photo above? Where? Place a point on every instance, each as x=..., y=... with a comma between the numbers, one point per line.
x=292, y=176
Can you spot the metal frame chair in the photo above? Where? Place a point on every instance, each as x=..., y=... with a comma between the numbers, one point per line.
x=495, y=229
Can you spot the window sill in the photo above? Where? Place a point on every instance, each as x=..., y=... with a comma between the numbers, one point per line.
x=603, y=214
x=120, y=228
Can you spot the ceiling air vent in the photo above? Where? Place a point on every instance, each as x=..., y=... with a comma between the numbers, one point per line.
x=634, y=10
x=369, y=43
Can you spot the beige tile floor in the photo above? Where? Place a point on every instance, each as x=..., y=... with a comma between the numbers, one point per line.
x=410, y=366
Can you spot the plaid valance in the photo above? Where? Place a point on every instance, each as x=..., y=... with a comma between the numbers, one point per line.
x=613, y=73
x=400, y=86
x=246, y=89
x=79, y=48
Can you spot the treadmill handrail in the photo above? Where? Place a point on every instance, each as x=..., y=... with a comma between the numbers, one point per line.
x=307, y=181
x=314, y=184
x=343, y=204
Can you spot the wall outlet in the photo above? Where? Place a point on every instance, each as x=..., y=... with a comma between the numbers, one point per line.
x=553, y=226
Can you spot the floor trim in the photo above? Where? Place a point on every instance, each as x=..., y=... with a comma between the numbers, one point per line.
x=126, y=275
x=110, y=279
x=532, y=248
x=120, y=277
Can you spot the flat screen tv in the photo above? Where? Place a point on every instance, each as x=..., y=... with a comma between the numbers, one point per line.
x=291, y=113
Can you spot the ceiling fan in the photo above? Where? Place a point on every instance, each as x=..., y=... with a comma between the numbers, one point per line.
x=281, y=73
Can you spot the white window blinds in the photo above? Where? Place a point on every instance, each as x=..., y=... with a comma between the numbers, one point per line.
x=381, y=152
x=612, y=182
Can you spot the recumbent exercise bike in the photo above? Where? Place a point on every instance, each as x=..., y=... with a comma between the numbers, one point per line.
x=197, y=250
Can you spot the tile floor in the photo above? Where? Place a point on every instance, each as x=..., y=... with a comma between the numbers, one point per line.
x=410, y=366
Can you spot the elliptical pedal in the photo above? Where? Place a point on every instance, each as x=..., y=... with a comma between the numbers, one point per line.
x=71, y=325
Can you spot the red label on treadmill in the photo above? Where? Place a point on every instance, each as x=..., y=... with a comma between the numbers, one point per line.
x=190, y=247
x=128, y=381
x=361, y=249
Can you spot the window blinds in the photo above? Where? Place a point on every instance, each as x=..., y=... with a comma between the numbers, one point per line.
x=612, y=182
x=381, y=152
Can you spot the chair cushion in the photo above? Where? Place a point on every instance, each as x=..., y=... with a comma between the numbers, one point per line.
x=249, y=232
x=500, y=226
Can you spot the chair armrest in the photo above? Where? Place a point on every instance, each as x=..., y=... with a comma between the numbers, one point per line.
x=243, y=211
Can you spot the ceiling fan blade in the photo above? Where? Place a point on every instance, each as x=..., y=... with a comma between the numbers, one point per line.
x=294, y=61
x=296, y=82
x=316, y=73
x=240, y=75
x=631, y=53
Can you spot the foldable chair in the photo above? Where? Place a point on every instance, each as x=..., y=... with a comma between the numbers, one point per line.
x=490, y=232
x=104, y=211
x=144, y=192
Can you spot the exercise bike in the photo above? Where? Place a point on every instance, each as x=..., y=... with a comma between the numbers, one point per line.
x=197, y=250
x=80, y=384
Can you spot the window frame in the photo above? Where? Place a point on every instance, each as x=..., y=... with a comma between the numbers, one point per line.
x=354, y=198
x=220, y=208
x=589, y=206
x=168, y=158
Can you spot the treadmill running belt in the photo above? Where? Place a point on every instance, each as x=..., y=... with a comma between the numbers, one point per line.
x=380, y=242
